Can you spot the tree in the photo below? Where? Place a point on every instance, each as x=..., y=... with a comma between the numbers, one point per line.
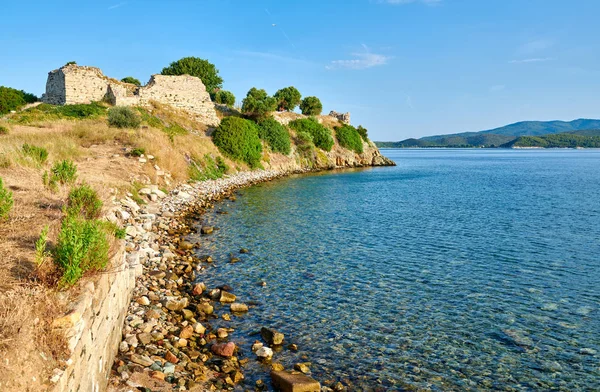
x=132, y=80
x=287, y=98
x=238, y=138
x=225, y=97
x=258, y=104
x=12, y=99
x=311, y=106
x=194, y=66
x=362, y=131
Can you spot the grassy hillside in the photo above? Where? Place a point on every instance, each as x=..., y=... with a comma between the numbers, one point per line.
x=583, y=139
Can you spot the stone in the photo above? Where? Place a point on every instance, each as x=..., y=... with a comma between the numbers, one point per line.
x=123, y=347
x=169, y=368
x=277, y=366
x=302, y=367
x=271, y=336
x=157, y=375
x=198, y=289
x=291, y=382
x=182, y=343
x=206, y=230
x=227, y=297
x=238, y=307
x=257, y=345
x=144, y=338
x=343, y=117
x=170, y=357
x=141, y=360
x=186, y=332
x=264, y=353
x=175, y=304
x=223, y=349
x=222, y=333
x=187, y=314
x=186, y=245
x=143, y=301
x=205, y=308
x=244, y=250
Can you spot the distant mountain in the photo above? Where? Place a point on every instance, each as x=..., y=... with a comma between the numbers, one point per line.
x=498, y=136
x=575, y=139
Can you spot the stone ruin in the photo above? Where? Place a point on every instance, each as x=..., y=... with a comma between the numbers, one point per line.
x=343, y=117
x=73, y=84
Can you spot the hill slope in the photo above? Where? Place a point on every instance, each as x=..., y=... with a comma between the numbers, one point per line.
x=582, y=139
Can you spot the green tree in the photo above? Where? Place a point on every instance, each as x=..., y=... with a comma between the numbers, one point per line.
x=225, y=97
x=194, y=66
x=311, y=106
x=238, y=138
x=258, y=104
x=132, y=80
x=13, y=99
x=287, y=98
x=362, y=131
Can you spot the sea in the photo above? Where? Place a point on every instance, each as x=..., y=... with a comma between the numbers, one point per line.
x=456, y=270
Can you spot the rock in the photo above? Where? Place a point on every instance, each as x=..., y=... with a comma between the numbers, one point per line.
x=157, y=274
x=205, y=308
x=187, y=314
x=223, y=349
x=256, y=346
x=152, y=314
x=227, y=297
x=206, y=230
x=238, y=307
x=175, y=303
x=144, y=338
x=293, y=347
x=199, y=329
x=181, y=343
x=169, y=368
x=244, y=250
x=170, y=357
x=226, y=317
x=277, y=366
x=302, y=367
x=271, y=336
x=157, y=375
x=222, y=333
x=186, y=332
x=186, y=245
x=141, y=360
x=290, y=382
x=198, y=289
x=234, y=260
x=123, y=347
x=143, y=301
x=587, y=351
x=264, y=353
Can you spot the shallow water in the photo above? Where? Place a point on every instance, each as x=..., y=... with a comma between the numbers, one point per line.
x=455, y=270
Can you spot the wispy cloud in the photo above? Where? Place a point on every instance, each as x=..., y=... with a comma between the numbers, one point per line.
x=273, y=57
x=531, y=60
x=112, y=7
x=497, y=87
x=361, y=60
x=400, y=2
x=535, y=46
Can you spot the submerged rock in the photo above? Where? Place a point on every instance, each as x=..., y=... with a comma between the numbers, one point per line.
x=223, y=349
x=271, y=336
x=294, y=382
x=264, y=353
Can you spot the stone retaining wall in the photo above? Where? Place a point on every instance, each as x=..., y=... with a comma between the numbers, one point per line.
x=94, y=325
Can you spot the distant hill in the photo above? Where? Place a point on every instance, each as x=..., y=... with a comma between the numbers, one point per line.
x=498, y=136
x=582, y=139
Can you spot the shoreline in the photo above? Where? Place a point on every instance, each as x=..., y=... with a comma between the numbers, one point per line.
x=168, y=318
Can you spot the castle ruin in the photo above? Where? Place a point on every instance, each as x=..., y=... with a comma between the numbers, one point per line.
x=343, y=117
x=73, y=84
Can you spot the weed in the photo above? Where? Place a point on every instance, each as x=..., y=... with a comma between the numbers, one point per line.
x=3, y=130
x=137, y=152
x=63, y=172
x=40, y=247
x=38, y=154
x=123, y=117
x=84, y=201
x=207, y=169
x=6, y=201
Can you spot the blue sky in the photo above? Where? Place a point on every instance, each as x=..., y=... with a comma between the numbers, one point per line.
x=403, y=68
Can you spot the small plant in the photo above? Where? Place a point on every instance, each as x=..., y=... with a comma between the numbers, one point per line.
x=238, y=138
x=207, y=169
x=82, y=246
x=40, y=247
x=137, y=152
x=6, y=201
x=71, y=63
x=3, y=130
x=131, y=80
x=84, y=201
x=149, y=119
x=123, y=117
x=349, y=138
x=311, y=106
x=276, y=135
x=174, y=130
x=113, y=229
x=321, y=136
x=63, y=172
x=38, y=154
x=225, y=97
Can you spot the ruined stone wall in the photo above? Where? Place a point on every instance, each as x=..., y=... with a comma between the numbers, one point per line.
x=343, y=117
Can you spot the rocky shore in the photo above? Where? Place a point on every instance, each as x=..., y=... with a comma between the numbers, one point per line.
x=168, y=342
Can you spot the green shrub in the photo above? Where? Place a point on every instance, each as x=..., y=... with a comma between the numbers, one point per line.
x=276, y=135
x=82, y=246
x=131, y=80
x=63, y=172
x=84, y=201
x=194, y=66
x=287, y=98
x=258, y=104
x=12, y=99
x=3, y=130
x=305, y=144
x=71, y=63
x=238, y=138
x=174, y=130
x=349, y=138
x=225, y=97
x=137, y=152
x=363, y=133
x=89, y=110
x=40, y=247
x=6, y=201
x=38, y=154
x=123, y=117
x=311, y=106
x=207, y=168
x=321, y=136
x=149, y=119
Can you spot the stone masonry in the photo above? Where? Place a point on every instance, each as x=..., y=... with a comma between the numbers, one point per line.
x=343, y=117
x=73, y=84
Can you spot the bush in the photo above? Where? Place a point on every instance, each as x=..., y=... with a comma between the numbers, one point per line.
x=304, y=143
x=349, y=138
x=6, y=201
x=311, y=106
x=83, y=110
x=287, y=98
x=38, y=154
x=238, y=138
x=13, y=99
x=321, y=136
x=137, y=152
x=131, y=80
x=123, y=117
x=363, y=133
x=194, y=66
x=225, y=97
x=3, y=130
x=40, y=247
x=258, y=104
x=71, y=63
x=63, y=172
x=207, y=169
x=84, y=201
x=82, y=246
x=276, y=135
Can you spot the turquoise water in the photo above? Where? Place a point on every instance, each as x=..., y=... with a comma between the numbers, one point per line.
x=456, y=270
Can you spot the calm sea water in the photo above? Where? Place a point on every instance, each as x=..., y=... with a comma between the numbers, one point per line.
x=456, y=270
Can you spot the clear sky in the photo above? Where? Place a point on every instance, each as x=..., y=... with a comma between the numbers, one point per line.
x=403, y=68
